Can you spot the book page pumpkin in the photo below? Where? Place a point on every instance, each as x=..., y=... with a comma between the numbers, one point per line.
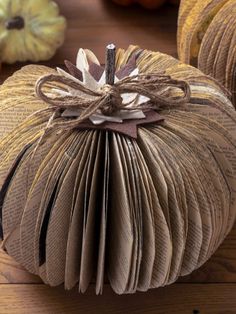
x=83, y=199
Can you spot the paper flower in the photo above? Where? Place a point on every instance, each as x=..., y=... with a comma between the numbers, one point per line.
x=90, y=81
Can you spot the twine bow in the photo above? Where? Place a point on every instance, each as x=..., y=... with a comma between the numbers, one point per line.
x=108, y=98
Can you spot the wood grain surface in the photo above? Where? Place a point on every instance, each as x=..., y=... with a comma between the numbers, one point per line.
x=93, y=24
x=175, y=299
x=211, y=289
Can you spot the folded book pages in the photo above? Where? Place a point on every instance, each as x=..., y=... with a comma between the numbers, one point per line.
x=129, y=180
x=207, y=38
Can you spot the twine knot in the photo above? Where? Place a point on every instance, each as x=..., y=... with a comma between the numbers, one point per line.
x=115, y=100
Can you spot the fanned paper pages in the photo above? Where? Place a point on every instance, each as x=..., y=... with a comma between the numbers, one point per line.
x=207, y=38
x=136, y=197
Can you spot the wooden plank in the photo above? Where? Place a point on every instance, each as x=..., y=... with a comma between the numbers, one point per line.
x=93, y=24
x=220, y=268
x=178, y=298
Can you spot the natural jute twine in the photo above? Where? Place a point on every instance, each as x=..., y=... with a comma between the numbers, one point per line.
x=108, y=98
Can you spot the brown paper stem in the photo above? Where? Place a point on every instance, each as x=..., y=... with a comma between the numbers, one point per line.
x=110, y=64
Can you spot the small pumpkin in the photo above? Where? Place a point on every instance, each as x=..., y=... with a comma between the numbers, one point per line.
x=78, y=206
x=148, y=4
x=30, y=30
x=207, y=38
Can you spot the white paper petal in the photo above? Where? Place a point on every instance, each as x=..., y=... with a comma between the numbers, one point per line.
x=102, y=80
x=116, y=118
x=95, y=118
x=91, y=56
x=81, y=60
x=89, y=81
x=68, y=75
x=116, y=79
x=134, y=72
x=61, y=92
x=136, y=114
x=71, y=90
x=128, y=97
x=141, y=99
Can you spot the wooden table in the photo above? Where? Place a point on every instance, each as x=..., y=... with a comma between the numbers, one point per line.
x=211, y=289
